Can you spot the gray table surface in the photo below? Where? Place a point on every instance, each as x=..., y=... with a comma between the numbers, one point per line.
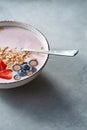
x=57, y=98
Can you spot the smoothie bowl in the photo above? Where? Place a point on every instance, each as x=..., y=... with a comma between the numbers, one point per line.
x=17, y=67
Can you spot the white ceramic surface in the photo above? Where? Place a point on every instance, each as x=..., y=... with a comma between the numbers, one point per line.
x=19, y=35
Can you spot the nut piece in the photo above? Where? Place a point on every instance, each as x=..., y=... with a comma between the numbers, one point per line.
x=29, y=73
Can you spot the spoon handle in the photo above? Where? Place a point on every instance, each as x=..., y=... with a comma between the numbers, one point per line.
x=69, y=53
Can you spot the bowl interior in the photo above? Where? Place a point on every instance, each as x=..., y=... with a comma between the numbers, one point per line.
x=15, y=36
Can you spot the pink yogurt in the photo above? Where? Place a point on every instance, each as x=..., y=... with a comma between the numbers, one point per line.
x=16, y=37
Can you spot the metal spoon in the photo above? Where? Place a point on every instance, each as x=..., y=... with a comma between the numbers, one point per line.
x=69, y=53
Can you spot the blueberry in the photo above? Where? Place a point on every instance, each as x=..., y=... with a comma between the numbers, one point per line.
x=25, y=67
x=22, y=72
x=24, y=63
x=33, y=69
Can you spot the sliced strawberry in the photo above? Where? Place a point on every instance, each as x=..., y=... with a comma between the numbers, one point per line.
x=6, y=74
x=2, y=65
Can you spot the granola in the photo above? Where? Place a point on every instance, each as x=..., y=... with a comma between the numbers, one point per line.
x=13, y=56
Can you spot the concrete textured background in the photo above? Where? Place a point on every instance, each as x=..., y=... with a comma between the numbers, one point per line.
x=57, y=98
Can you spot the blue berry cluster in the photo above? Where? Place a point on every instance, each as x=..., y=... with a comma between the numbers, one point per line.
x=24, y=70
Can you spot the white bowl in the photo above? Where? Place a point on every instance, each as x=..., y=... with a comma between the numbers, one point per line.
x=20, y=35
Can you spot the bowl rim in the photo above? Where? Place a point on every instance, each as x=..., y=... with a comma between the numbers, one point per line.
x=25, y=26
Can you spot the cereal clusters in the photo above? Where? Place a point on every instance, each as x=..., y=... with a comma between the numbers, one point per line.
x=13, y=56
